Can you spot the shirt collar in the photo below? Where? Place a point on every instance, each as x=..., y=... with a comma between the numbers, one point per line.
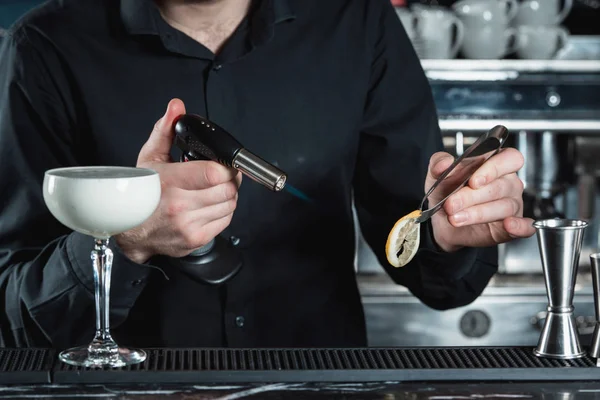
x=282, y=11
x=138, y=16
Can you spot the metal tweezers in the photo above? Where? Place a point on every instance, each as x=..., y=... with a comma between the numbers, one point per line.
x=486, y=146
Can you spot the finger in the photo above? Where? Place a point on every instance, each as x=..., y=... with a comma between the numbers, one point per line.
x=201, y=234
x=197, y=175
x=193, y=227
x=438, y=163
x=217, y=226
x=158, y=146
x=217, y=194
x=485, y=213
x=211, y=213
x=179, y=201
x=506, y=186
x=519, y=227
x=508, y=161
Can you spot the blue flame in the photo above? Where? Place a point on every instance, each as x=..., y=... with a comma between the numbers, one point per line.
x=298, y=193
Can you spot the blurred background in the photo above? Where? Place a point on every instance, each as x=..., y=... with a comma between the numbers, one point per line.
x=10, y=10
x=533, y=66
x=583, y=19
x=500, y=29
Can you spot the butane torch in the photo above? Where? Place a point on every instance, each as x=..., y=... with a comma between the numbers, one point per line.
x=200, y=138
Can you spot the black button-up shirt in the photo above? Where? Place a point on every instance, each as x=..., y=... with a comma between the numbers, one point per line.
x=330, y=91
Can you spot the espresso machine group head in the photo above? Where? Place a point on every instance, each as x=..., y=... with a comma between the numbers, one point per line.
x=201, y=139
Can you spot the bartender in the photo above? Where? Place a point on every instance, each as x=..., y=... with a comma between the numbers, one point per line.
x=330, y=91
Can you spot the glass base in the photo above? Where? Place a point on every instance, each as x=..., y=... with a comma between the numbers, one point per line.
x=81, y=357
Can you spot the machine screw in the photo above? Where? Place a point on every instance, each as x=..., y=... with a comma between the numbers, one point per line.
x=553, y=99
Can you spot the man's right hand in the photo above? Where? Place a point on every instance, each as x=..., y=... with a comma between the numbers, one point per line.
x=197, y=201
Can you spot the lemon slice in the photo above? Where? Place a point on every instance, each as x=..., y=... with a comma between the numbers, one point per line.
x=403, y=240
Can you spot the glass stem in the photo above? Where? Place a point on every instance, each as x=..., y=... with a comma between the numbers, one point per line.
x=102, y=258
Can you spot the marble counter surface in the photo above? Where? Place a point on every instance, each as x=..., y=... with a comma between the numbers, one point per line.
x=383, y=390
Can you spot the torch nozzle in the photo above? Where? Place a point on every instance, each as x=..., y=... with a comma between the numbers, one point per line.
x=259, y=170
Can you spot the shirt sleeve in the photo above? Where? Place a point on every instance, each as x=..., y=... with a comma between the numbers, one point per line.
x=46, y=278
x=400, y=132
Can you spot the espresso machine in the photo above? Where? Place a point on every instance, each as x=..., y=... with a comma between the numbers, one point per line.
x=552, y=109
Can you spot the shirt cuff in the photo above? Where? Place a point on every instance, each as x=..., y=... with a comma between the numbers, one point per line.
x=127, y=277
x=452, y=266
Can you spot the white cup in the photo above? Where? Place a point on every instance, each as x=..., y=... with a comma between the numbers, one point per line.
x=477, y=13
x=440, y=31
x=540, y=42
x=542, y=12
x=490, y=43
x=408, y=19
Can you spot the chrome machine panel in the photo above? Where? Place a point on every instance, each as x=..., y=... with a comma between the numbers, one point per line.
x=507, y=313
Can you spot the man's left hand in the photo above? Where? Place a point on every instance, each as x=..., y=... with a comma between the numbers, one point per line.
x=488, y=210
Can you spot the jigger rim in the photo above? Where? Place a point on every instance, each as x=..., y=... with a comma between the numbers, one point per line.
x=560, y=223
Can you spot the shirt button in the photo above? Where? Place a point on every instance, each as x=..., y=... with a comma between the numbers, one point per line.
x=239, y=321
x=235, y=240
x=137, y=282
x=218, y=67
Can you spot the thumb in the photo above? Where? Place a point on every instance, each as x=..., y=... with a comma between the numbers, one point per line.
x=158, y=146
x=438, y=163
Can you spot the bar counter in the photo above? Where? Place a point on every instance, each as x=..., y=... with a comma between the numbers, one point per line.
x=333, y=391
x=366, y=373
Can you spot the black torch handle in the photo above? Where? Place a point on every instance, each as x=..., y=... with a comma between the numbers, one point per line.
x=200, y=138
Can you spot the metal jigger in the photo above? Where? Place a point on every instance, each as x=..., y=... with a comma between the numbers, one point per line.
x=559, y=241
x=595, y=346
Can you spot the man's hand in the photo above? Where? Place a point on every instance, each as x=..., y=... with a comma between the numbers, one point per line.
x=197, y=201
x=488, y=210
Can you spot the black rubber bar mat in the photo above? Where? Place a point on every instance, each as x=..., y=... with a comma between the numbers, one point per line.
x=19, y=366
x=336, y=365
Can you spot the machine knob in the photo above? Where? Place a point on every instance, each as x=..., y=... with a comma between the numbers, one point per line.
x=553, y=99
x=475, y=324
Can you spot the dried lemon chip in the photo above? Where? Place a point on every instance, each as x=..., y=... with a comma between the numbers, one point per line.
x=403, y=240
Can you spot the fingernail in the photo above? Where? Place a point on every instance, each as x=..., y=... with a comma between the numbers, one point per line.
x=460, y=217
x=479, y=181
x=456, y=205
x=164, y=117
x=513, y=225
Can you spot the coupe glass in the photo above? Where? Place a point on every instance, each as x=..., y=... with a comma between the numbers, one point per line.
x=102, y=201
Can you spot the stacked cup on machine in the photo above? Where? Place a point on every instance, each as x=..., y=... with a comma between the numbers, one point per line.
x=435, y=32
x=488, y=30
x=540, y=35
